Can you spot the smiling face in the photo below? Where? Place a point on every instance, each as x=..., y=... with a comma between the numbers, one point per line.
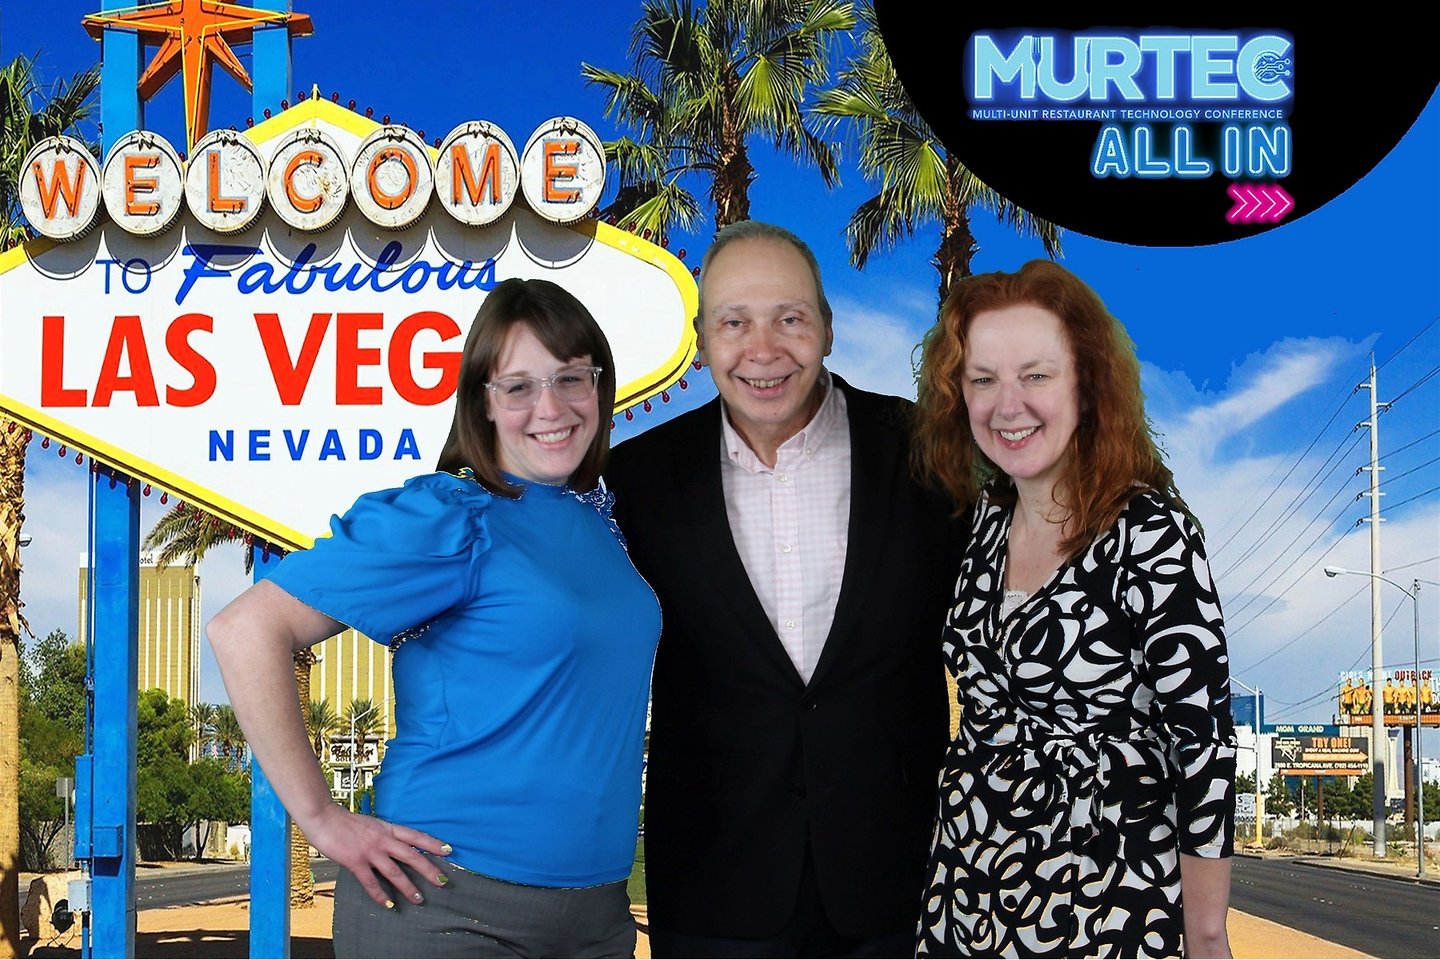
x=765, y=339
x=1022, y=393
x=546, y=442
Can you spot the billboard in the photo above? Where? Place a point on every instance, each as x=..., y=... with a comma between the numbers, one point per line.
x=1400, y=692
x=1328, y=756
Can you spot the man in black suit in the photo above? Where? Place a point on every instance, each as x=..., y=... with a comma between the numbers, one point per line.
x=799, y=715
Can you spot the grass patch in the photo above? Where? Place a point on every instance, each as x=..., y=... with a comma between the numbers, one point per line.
x=636, y=885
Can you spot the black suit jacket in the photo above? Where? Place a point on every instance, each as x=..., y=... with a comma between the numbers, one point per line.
x=747, y=761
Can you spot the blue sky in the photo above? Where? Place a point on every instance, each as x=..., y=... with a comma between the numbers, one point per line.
x=1251, y=349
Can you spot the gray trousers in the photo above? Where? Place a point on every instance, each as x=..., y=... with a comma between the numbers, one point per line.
x=478, y=916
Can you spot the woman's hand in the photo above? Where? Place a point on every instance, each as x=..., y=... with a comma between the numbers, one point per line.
x=254, y=638
x=367, y=846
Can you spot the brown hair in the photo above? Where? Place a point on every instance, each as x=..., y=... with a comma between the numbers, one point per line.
x=566, y=329
x=1113, y=447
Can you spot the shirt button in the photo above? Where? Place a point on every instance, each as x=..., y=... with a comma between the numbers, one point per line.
x=789, y=624
x=784, y=477
x=799, y=790
x=784, y=548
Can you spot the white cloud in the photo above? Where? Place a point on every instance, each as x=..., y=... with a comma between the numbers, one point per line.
x=1259, y=386
x=874, y=346
x=1275, y=516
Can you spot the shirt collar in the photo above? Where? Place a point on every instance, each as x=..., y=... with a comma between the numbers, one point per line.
x=806, y=442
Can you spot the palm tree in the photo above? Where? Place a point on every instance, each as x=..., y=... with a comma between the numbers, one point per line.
x=322, y=721
x=704, y=83
x=363, y=717
x=186, y=533
x=22, y=125
x=229, y=738
x=302, y=880
x=61, y=109
x=920, y=181
x=203, y=715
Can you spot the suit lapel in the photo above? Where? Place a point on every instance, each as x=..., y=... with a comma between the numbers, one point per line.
x=703, y=490
x=872, y=487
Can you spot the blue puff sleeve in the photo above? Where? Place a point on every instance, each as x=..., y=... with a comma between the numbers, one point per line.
x=397, y=559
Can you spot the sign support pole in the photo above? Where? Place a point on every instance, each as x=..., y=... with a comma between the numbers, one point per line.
x=269, y=823
x=115, y=636
x=269, y=842
x=116, y=644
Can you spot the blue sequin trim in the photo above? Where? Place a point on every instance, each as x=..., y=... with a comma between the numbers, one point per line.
x=602, y=498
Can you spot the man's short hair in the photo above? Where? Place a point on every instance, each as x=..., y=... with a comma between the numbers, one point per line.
x=760, y=230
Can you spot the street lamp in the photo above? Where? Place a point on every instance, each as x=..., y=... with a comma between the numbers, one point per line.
x=353, y=718
x=1414, y=596
x=1259, y=804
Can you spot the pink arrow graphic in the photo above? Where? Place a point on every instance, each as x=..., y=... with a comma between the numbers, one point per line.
x=1259, y=203
x=1287, y=203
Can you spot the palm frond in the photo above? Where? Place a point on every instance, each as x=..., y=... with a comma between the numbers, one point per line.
x=186, y=534
x=29, y=114
x=704, y=81
x=919, y=182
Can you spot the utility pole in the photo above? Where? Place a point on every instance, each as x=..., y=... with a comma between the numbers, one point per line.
x=1379, y=744
x=1259, y=798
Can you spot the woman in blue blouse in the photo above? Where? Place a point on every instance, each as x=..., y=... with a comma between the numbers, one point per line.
x=522, y=641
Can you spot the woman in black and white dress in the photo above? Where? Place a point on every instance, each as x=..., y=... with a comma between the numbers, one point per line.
x=1086, y=806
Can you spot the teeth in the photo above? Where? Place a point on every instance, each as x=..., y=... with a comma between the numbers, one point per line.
x=555, y=437
x=764, y=384
x=1018, y=435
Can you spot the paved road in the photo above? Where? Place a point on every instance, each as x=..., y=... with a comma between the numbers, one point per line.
x=1379, y=915
x=169, y=888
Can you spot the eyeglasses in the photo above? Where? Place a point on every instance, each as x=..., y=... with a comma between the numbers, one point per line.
x=569, y=385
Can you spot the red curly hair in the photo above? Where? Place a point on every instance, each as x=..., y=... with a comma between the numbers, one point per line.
x=1112, y=449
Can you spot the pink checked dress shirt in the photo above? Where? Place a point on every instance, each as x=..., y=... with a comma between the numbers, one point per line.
x=791, y=524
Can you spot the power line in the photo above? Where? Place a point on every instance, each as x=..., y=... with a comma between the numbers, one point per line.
x=1423, y=330
x=1423, y=493
x=1345, y=398
x=1275, y=599
x=1292, y=542
x=1326, y=691
x=1412, y=470
x=1286, y=549
x=1296, y=502
x=1302, y=633
x=1412, y=443
x=1417, y=384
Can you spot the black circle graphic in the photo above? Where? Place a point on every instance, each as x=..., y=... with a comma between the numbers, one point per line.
x=1357, y=89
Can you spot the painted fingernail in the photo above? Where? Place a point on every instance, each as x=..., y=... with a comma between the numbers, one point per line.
x=441, y=879
x=389, y=904
x=446, y=849
x=419, y=897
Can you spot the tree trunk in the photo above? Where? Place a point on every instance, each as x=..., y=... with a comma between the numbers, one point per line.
x=730, y=188
x=957, y=243
x=9, y=795
x=13, y=441
x=302, y=882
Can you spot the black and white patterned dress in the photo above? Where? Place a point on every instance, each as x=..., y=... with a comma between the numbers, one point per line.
x=1095, y=746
